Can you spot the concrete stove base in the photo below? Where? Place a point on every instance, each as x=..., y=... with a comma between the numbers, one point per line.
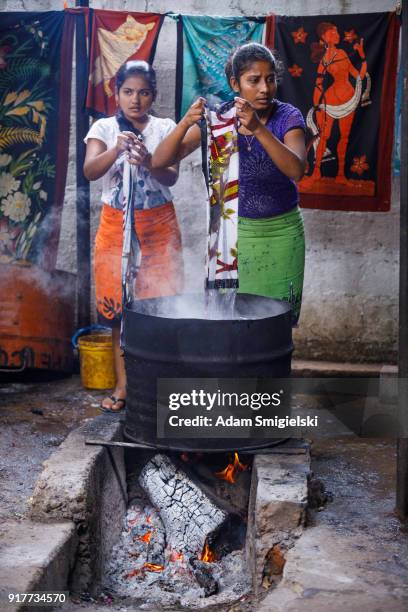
x=79, y=499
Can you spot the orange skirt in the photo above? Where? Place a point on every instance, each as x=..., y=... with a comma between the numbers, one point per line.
x=161, y=268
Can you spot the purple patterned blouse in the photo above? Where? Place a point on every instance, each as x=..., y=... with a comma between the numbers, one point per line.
x=264, y=191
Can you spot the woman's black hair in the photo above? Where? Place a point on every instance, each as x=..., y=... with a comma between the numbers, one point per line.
x=129, y=69
x=125, y=125
x=243, y=57
x=137, y=68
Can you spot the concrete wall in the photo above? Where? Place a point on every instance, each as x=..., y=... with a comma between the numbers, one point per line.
x=350, y=306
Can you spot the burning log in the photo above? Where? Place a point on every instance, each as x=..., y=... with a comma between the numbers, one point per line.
x=157, y=545
x=190, y=517
x=202, y=572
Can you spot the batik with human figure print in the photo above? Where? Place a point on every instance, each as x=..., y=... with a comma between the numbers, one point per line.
x=340, y=71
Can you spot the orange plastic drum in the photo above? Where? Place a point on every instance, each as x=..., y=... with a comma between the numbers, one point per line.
x=36, y=318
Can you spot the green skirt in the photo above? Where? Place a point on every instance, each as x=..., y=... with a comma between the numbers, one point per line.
x=271, y=258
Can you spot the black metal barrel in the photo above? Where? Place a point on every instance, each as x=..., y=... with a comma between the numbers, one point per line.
x=256, y=342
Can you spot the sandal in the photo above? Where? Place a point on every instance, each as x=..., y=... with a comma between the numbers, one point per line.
x=115, y=400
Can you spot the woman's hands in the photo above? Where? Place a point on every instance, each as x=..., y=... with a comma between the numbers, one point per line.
x=139, y=156
x=137, y=153
x=195, y=113
x=123, y=141
x=289, y=156
x=247, y=115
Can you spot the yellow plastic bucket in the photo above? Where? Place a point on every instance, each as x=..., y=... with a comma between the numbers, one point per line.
x=96, y=361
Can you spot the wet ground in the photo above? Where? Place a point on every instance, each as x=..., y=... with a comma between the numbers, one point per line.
x=35, y=417
x=352, y=557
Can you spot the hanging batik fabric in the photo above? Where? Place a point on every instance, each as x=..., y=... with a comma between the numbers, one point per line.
x=397, y=130
x=222, y=181
x=117, y=36
x=35, y=81
x=340, y=71
x=204, y=45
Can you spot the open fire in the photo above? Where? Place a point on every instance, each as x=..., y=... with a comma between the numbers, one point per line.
x=208, y=555
x=232, y=470
x=182, y=542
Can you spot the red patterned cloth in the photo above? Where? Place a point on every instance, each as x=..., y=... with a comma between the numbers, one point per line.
x=340, y=71
x=116, y=37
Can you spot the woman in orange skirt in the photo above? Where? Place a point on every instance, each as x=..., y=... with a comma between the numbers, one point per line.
x=132, y=135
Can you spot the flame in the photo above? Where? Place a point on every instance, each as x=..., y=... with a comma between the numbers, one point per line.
x=207, y=555
x=146, y=537
x=150, y=567
x=148, y=519
x=176, y=556
x=230, y=472
x=153, y=567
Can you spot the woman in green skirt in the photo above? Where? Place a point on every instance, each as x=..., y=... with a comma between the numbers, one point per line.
x=272, y=154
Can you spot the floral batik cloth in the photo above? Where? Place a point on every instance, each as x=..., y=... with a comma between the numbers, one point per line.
x=35, y=51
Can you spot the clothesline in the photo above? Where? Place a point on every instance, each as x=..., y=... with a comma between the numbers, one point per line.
x=171, y=14
x=175, y=16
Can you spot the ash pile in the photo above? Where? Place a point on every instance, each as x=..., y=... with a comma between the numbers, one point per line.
x=183, y=537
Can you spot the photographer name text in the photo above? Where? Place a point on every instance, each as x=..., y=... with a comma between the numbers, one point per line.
x=230, y=421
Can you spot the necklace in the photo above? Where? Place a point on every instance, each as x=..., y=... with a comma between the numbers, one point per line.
x=248, y=141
